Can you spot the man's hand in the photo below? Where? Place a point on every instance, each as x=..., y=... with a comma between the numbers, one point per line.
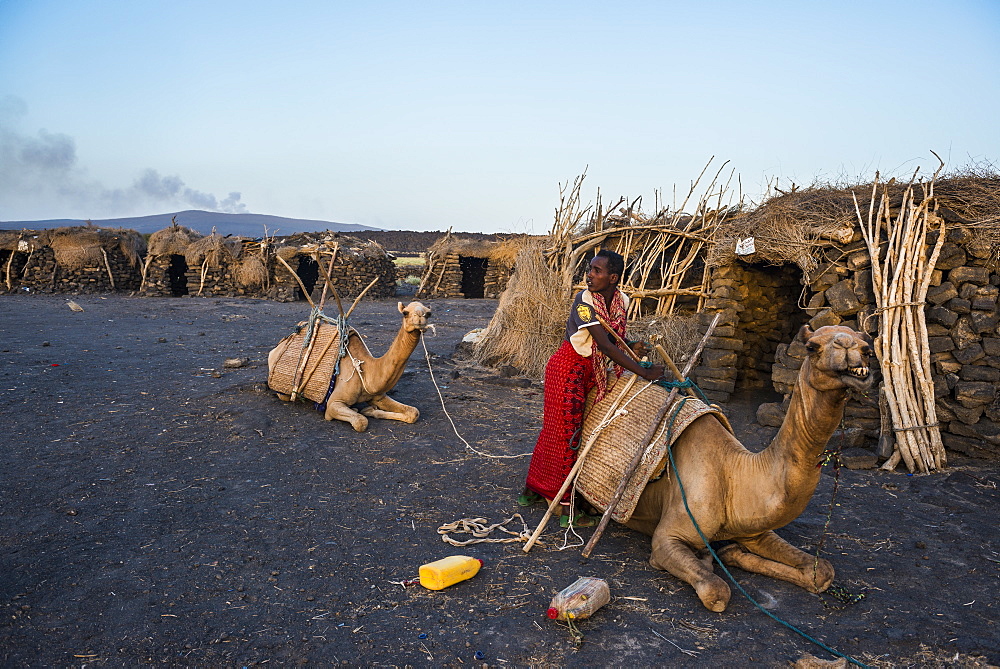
x=639, y=348
x=652, y=373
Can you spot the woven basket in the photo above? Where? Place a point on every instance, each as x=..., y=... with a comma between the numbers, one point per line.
x=318, y=369
x=608, y=459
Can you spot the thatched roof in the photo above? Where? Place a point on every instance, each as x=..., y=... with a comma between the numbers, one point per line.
x=15, y=240
x=502, y=250
x=788, y=227
x=83, y=246
x=214, y=249
x=173, y=240
x=309, y=243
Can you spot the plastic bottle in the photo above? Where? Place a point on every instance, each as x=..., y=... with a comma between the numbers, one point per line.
x=448, y=571
x=580, y=600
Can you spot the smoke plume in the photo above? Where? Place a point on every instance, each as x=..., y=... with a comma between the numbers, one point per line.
x=40, y=178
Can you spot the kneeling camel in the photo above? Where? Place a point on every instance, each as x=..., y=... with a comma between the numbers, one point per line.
x=743, y=497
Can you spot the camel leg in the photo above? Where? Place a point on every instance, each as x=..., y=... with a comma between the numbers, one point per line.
x=770, y=555
x=386, y=407
x=673, y=555
x=336, y=410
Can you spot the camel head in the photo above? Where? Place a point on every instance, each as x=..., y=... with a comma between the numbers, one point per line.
x=839, y=358
x=415, y=316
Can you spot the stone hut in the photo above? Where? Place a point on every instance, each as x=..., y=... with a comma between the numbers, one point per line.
x=468, y=268
x=356, y=263
x=800, y=258
x=165, y=272
x=82, y=259
x=226, y=266
x=16, y=248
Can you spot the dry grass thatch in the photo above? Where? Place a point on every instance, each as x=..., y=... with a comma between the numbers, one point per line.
x=173, y=240
x=530, y=319
x=505, y=251
x=250, y=271
x=213, y=250
x=678, y=334
x=18, y=240
x=311, y=243
x=86, y=246
x=464, y=247
x=790, y=227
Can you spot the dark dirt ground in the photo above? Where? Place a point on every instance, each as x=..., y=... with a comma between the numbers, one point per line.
x=160, y=508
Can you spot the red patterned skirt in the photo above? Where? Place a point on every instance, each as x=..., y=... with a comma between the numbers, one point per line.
x=568, y=378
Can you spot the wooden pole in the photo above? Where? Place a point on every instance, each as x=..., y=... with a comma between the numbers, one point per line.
x=554, y=504
x=305, y=292
x=358, y=298
x=316, y=318
x=637, y=458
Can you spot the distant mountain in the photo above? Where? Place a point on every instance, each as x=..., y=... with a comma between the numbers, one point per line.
x=243, y=225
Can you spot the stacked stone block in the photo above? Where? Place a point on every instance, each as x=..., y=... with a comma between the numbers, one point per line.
x=351, y=273
x=43, y=274
x=963, y=327
x=444, y=280
x=758, y=312
x=497, y=276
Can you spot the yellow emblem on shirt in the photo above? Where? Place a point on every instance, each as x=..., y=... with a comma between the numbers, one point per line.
x=583, y=311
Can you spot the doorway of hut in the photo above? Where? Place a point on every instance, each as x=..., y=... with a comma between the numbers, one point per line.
x=177, y=275
x=473, y=276
x=308, y=271
x=771, y=315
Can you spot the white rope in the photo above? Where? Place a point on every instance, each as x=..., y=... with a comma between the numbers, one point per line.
x=427, y=356
x=477, y=527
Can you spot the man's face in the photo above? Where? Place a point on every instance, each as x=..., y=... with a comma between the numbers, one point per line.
x=598, y=276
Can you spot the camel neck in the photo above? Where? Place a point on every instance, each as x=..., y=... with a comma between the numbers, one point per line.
x=813, y=416
x=389, y=367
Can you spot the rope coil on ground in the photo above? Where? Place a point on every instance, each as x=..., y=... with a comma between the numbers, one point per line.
x=478, y=528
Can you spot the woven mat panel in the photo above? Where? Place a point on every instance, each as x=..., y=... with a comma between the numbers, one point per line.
x=609, y=457
x=318, y=369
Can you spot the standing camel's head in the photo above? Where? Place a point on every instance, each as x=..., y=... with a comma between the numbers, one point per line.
x=415, y=316
x=838, y=358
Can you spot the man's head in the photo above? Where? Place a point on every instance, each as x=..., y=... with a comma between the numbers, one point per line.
x=605, y=271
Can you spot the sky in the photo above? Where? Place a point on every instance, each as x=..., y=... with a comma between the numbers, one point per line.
x=430, y=115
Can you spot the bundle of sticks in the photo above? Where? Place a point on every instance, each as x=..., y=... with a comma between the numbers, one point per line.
x=901, y=275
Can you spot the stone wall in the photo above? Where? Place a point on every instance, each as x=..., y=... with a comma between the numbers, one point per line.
x=11, y=267
x=349, y=276
x=444, y=280
x=497, y=276
x=963, y=327
x=759, y=312
x=43, y=274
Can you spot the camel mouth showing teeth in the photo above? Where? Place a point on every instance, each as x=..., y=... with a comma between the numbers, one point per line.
x=859, y=372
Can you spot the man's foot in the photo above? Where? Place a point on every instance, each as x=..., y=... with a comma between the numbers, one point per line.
x=528, y=498
x=579, y=520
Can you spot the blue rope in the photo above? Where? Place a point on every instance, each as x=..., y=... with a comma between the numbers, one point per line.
x=680, y=385
x=670, y=453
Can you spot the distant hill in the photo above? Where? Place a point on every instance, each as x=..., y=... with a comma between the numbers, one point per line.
x=243, y=225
